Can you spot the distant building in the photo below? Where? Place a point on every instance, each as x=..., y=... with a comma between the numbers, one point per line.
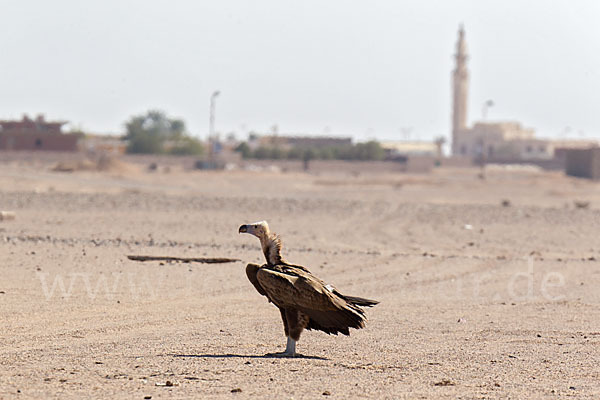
x=396, y=149
x=36, y=134
x=564, y=146
x=104, y=144
x=501, y=140
x=583, y=163
x=287, y=142
x=496, y=141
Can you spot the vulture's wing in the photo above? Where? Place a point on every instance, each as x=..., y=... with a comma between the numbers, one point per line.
x=296, y=289
x=251, y=270
x=290, y=287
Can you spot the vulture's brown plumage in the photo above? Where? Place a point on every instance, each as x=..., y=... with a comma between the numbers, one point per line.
x=305, y=301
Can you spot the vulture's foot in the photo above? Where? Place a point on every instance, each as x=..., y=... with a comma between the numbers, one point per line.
x=290, y=350
x=283, y=354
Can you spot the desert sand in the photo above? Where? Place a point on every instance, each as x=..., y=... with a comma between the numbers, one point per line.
x=479, y=299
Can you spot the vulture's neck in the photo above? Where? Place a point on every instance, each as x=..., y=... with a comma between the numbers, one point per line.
x=271, y=247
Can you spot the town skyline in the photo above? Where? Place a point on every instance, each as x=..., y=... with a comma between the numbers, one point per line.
x=380, y=72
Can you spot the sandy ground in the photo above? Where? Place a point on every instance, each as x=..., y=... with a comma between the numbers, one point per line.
x=478, y=300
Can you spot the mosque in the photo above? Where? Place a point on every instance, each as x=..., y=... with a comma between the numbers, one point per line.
x=500, y=141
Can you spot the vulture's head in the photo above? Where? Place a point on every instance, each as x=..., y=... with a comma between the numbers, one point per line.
x=258, y=229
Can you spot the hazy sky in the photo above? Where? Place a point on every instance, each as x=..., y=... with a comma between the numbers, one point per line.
x=339, y=67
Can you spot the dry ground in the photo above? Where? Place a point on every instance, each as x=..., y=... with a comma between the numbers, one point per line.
x=478, y=300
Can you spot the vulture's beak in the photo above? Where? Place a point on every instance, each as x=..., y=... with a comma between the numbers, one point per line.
x=243, y=229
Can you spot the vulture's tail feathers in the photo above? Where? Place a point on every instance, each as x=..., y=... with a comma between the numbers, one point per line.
x=359, y=301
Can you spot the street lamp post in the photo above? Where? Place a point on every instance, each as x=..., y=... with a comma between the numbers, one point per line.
x=211, y=122
x=485, y=108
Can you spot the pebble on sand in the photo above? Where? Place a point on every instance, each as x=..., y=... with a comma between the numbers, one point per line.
x=7, y=215
x=444, y=382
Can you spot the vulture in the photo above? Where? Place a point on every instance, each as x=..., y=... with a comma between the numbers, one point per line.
x=304, y=301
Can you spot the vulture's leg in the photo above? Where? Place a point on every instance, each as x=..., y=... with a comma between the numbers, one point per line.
x=290, y=347
x=285, y=323
x=288, y=317
x=286, y=329
x=296, y=322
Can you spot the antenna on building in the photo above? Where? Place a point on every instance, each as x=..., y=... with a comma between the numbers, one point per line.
x=406, y=131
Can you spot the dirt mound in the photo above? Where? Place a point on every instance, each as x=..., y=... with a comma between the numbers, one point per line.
x=111, y=164
x=74, y=165
x=103, y=164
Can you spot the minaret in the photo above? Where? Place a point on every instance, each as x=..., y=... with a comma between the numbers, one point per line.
x=460, y=84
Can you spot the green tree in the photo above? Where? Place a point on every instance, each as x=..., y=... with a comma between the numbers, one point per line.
x=295, y=153
x=326, y=153
x=244, y=149
x=371, y=150
x=262, y=153
x=276, y=153
x=150, y=132
x=187, y=145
